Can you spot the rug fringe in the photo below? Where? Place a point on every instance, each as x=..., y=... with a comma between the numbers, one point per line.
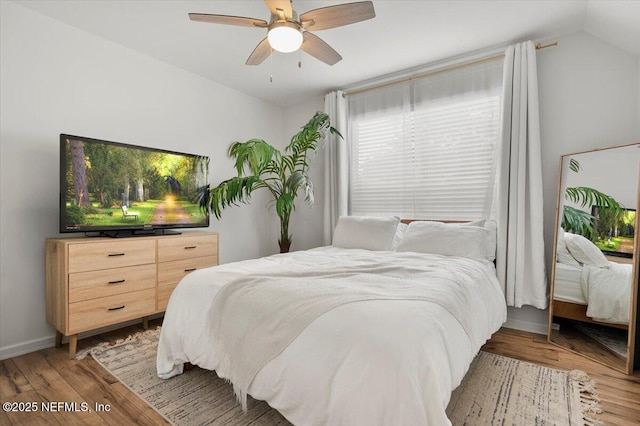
x=101, y=347
x=588, y=397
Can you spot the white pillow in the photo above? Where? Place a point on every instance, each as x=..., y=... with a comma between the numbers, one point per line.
x=584, y=251
x=562, y=252
x=402, y=227
x=442, y=238
x=492, y=240
x=361, y=232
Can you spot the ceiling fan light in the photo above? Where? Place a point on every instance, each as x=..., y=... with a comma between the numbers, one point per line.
x=285, y=38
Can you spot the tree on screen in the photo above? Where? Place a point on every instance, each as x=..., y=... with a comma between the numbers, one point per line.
x=79, y=167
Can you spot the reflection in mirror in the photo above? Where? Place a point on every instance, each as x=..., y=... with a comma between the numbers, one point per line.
x=594, y=275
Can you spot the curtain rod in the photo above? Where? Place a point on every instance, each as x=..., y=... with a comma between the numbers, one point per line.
x=442, y=71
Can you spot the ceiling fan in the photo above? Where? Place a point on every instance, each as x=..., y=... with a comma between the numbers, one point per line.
x=288, y=32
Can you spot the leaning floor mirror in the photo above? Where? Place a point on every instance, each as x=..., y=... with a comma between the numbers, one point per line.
x=594, y=308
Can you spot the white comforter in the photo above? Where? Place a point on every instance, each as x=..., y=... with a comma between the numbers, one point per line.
x=363, y=363
x=608, y=292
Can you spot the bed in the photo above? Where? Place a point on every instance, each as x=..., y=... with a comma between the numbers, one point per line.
x=587, y=286
x=568, y=286
x=373, y=336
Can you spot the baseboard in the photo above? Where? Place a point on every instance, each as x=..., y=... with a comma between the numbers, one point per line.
x=26, y=347
x=532, y=327
x=50, y=341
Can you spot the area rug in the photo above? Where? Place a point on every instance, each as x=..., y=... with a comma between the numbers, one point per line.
x=496, y=390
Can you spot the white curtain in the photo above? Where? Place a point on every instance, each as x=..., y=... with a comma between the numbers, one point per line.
x=520, y=256
x=336, y=178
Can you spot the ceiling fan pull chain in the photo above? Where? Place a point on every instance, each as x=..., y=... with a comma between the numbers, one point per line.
x=271, y=67
x=299, y=58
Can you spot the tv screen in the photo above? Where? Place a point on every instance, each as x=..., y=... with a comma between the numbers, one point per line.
x=116, y=189
x=614, y=233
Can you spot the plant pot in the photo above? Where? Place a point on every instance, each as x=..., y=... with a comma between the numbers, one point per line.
x=284, y=246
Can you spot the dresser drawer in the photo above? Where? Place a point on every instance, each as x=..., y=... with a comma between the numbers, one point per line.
x=110, y=254
x=186, y=247
x=170, y=273
x=95, y=313
x=164, y=293
x=109, y=282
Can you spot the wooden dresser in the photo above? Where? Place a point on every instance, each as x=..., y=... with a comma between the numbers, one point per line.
x=97, y=282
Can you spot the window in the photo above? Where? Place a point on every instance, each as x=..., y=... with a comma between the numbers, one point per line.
x=426, y=148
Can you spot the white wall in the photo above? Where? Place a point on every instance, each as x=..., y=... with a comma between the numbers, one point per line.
x=613, y=172
x=57, y=79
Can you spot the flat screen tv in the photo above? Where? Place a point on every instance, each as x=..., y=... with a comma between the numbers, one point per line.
x=614, y=233
x=115, y=189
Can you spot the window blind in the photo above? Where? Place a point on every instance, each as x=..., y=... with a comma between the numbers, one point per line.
x=423, y=156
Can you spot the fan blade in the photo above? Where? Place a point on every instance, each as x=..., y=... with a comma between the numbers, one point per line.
x=260, y=53
x=317, y=48
x=337, y=16
x=228, y=20
x=283, y=5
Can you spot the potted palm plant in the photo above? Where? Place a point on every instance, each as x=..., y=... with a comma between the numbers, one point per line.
x=579, y=221
x=283, y=174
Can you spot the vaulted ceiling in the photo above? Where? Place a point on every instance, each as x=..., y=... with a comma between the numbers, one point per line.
x=404, y=34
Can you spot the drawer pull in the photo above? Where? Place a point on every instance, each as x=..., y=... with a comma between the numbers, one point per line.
x=115, y=254
x=117, y=308
x=190, y=270
x=116, y=282
x=189, y=247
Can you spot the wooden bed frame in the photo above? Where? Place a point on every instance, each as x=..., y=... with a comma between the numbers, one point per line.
x=578, y=312
x=408, y=221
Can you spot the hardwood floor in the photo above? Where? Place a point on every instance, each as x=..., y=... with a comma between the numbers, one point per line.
x=49, y=376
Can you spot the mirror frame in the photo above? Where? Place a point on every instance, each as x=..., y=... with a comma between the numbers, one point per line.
x=633, y=341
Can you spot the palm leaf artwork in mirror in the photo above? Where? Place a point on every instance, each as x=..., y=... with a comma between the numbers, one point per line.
x=282, y=174
x=579, y=221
